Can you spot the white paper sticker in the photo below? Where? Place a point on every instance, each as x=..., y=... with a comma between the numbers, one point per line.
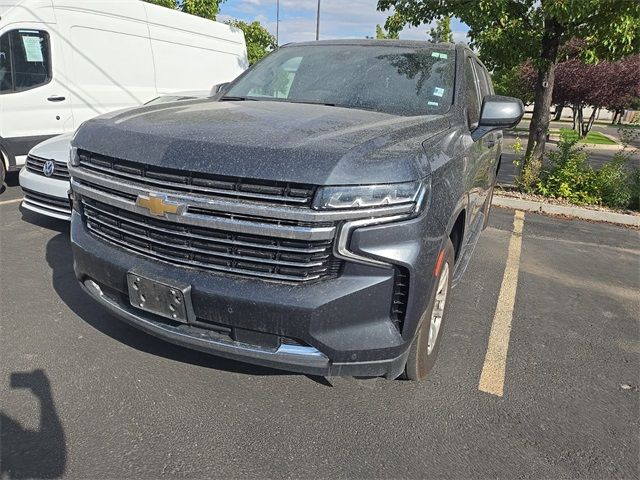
x=438, y=92
x=439, y=55
x=32, y=49
x=433, y=104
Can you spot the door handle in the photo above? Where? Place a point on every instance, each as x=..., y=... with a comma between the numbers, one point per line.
x=56, y=98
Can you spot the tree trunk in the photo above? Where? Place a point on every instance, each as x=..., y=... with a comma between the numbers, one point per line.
x=587, y=128
x=574, y=112
x=580, y=120
x=558, y=113
x=615, y=115
x=539, y=125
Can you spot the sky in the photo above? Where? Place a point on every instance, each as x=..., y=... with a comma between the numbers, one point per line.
x=338, y=19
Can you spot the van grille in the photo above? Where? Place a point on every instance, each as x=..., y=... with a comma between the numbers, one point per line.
x=180, y=181
x=207, y=248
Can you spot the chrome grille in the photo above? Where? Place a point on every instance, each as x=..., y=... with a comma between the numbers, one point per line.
x=180, y=181
x=207, y=248
x=36, y=164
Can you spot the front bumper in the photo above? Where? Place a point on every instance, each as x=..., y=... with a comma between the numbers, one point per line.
x=44, y=195
x=342, y=326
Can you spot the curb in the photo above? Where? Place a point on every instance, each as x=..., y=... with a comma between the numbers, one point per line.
x=574, y=212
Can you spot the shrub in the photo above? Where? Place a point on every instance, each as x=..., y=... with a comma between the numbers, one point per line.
x=568, y=175
x=614, y=184
x=634, y=202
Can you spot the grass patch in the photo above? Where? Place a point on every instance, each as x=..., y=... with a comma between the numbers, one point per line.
x=594, y=138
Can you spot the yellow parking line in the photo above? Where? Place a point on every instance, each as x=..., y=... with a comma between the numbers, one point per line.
x=7, y=202
x=495, y=360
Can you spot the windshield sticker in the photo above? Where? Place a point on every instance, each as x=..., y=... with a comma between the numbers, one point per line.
x=433, y=104
x=438, y=92
x=32, y=49
x=439, y=55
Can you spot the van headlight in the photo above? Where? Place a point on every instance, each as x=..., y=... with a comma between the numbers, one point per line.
x=370, y=196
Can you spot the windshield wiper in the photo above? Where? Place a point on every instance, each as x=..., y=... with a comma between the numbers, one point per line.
x=310, y=102
x=329, y=104
x=237, y=99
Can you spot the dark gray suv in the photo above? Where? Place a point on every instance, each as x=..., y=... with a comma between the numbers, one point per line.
x=313, y=216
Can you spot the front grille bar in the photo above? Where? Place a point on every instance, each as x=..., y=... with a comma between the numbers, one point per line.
x=94, y=223
x=194, y=263
x=187, y=188
x=199, y=202
x=210, y=221
x=240, y=243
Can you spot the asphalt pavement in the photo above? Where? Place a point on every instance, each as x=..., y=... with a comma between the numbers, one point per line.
x=83, y=395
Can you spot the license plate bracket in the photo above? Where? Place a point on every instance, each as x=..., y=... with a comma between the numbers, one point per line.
x=168, y=300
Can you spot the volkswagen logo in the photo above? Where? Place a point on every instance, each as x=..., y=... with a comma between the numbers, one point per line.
x=48, y=168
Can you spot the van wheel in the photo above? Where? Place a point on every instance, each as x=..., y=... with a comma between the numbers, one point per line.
x=3, y=171
x=426, y=344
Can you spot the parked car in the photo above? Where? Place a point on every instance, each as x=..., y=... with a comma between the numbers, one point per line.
x=45, y=179
x=65, y=61
x=314, y=218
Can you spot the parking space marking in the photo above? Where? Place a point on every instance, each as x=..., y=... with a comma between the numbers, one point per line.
x=8, y=202
x=495, y=360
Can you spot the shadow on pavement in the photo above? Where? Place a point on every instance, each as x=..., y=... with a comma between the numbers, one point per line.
x=33, y=453
x=41, y=221
x=60, y=259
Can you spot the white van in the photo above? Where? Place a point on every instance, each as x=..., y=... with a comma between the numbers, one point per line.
x=65, y=61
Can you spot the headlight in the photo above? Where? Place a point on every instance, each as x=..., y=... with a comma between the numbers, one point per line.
x=74, y=159
x=369, y=196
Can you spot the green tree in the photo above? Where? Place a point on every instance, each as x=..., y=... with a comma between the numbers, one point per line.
x=164, y=3
x=381, y=34
x=259, y=40
x=510, y=82
x=442, y=32
x=508, y=32
x=202, y=8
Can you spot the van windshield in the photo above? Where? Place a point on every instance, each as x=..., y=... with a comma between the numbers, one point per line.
x=392, y=79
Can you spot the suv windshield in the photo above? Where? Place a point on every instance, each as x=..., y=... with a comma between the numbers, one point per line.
x=392, y=79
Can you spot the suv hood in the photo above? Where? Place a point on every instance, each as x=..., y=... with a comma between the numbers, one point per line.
x=270, y=140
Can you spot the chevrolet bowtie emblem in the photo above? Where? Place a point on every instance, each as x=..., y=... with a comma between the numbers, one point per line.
x=159, y=205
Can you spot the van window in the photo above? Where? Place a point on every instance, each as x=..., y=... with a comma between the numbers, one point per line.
x=471, y=94
x=6, y=76
x=24, y=60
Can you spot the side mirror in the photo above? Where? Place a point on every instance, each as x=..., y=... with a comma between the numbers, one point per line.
x=498, y=112
x=219, y=88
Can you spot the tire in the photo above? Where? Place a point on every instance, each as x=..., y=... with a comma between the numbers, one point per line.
x=3, y=171
x=423, y=352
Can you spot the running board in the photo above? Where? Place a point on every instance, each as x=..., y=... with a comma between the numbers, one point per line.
x=467, y=249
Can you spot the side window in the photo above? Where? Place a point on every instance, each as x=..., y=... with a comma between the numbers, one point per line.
x=6, y=75
x=484, y=84
x=489, y=84
x=25, y=60
x=471, y=95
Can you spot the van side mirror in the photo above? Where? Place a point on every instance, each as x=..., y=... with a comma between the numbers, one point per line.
x=498, y=112
x=219, y=88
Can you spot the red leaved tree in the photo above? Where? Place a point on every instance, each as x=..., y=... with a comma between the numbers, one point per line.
x=611, y=85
